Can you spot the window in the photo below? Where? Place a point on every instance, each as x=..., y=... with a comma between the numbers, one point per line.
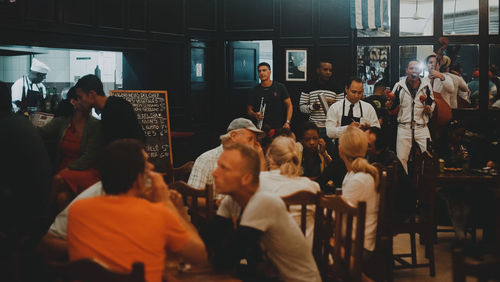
x=412, y=52
x=461, y=17
x=416, y=17
x=493, y=18
x=385, y=31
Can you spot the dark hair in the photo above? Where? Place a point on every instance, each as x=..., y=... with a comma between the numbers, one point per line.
x=308, y=126
x=120, y=164
x=91, y=82
x=5, y=98
x=323, y=62
x=250, y=157
x=65, y=108
x=455, y=67
x=381, y=141
x=351, y=79
x=287, y=132
x=380, y=83
x=264, y=64
x=427, y=58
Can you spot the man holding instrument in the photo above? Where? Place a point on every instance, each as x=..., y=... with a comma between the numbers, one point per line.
x=416, y=103
x=118, y=118
x=272, y=96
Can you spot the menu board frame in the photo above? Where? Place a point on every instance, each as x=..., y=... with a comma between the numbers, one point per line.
x=112, y=92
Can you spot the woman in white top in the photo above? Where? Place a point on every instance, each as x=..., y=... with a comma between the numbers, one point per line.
x=283, y=178
x=361, y=181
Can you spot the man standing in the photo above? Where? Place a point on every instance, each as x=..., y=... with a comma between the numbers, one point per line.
x=271, y=96
x=118, y=118
x=263, y=228
x=416, y=102
x=240, y=130
x=310, y=102
x=350, y=110
x=28, y=91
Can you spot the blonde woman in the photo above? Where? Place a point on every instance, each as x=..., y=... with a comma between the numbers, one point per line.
x=361, y=181
x=284, y=178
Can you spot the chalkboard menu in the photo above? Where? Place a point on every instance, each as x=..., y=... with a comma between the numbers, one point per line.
x=151, y=108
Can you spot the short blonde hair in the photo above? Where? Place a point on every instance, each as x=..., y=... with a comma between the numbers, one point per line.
x=226, y=137
x=354, y=144
x=283, y=153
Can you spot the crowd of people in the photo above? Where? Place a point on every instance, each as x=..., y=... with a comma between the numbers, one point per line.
x=105, y=200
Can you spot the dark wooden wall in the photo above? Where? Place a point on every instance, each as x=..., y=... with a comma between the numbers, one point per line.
x=156, y=37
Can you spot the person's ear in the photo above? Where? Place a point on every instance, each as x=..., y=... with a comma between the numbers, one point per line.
x=73, y=102
x=246, y=179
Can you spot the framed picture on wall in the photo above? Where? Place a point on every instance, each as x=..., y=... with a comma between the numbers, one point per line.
x=296, y=65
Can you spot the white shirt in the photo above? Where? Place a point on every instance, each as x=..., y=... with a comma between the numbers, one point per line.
x=459, y=87
x=360, y=187
x=59, y=227
x=334, y=116
x=281, y=185
x=445, y=87
x=282, y=241
x=205, y=164
x=17, y=90
x=404, y=114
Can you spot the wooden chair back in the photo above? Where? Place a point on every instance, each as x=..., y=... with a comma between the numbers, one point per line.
x=173, y=174
x=92, y=271
x=339, y=231
x=302, y=199
x=191, y=195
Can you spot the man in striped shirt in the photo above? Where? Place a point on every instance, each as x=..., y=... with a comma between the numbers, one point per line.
x=309, y=102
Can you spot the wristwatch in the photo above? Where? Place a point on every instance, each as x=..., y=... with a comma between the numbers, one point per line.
x=287, y=121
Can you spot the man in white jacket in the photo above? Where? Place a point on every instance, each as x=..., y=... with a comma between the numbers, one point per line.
x=414, y=97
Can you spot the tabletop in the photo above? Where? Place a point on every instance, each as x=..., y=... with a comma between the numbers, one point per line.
x=466, y=178
x=198, y=273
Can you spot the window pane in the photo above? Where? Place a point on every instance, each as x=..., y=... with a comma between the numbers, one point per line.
x=416, y=17
x=461, y=16
x=495, y=81
x=373, y=66
x=412, y=52
x=385, y=31
x=493, y=26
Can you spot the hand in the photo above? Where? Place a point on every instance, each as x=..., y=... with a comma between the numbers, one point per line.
x=330, y=101
x=316, y=106
x=427, y=109
x=436, y=74
x=259, y=116
x=321, y=146
x=158, y=191
x=176, y=199
x=388, y=104
x=286, y=125
x=355, y=124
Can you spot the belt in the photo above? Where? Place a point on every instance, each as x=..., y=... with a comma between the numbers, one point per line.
x=408, y=125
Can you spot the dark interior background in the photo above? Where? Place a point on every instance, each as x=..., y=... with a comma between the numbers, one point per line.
x=159, y=40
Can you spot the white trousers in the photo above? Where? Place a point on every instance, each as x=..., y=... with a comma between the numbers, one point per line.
x=403, y=144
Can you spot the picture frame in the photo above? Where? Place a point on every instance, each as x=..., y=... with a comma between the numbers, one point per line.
x=296, y=64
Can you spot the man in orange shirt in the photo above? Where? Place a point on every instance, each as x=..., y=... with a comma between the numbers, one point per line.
x=123, y=227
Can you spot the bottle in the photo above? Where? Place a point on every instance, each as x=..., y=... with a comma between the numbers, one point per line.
x=97, y=72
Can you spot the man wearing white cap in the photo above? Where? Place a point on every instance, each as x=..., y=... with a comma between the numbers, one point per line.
x=240, y=130
x=28, y=90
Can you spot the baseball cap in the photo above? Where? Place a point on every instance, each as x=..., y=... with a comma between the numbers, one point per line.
x=243, y=123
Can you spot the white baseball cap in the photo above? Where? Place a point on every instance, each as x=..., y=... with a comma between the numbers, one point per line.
x=38, y=66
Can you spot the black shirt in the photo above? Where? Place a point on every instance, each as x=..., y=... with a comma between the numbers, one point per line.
x=120, y=121
x=275, y=115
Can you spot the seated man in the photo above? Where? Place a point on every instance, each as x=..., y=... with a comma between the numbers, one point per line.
x=262, y=219
x=240, y=130
x=122, y=227
x=379, y=152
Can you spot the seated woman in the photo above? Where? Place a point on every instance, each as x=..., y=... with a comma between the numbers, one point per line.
x=283, y=178
x=312, y=151
x=361, y=181
x=77, y=133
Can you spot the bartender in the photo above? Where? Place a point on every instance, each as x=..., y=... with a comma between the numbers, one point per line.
x=350, y=111
x=28, y=91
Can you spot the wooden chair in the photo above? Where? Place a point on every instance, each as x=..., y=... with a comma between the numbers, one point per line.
x=388, y=177
x=191, y=196
x=92, y=271
x=178, y=173
x=422, y=221
x=344, y=247
x=302, y=198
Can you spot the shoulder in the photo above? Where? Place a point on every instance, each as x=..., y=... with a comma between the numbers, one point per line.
x=210, y=154
x=360, y=178
x=266, y=199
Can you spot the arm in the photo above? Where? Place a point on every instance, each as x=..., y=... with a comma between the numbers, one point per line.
x=91, y=148
x=53, y=248
x=304, y=103
x=255, y=115
x=333, y=128
x=373, y=118
x=289, y=111
x=52, y=129
x=462, y=86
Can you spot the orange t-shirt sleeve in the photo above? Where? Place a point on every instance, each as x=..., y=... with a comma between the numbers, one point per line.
x=177, y=235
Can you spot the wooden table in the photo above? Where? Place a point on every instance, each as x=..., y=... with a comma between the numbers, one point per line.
x=198, y=273
x=461, y=179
